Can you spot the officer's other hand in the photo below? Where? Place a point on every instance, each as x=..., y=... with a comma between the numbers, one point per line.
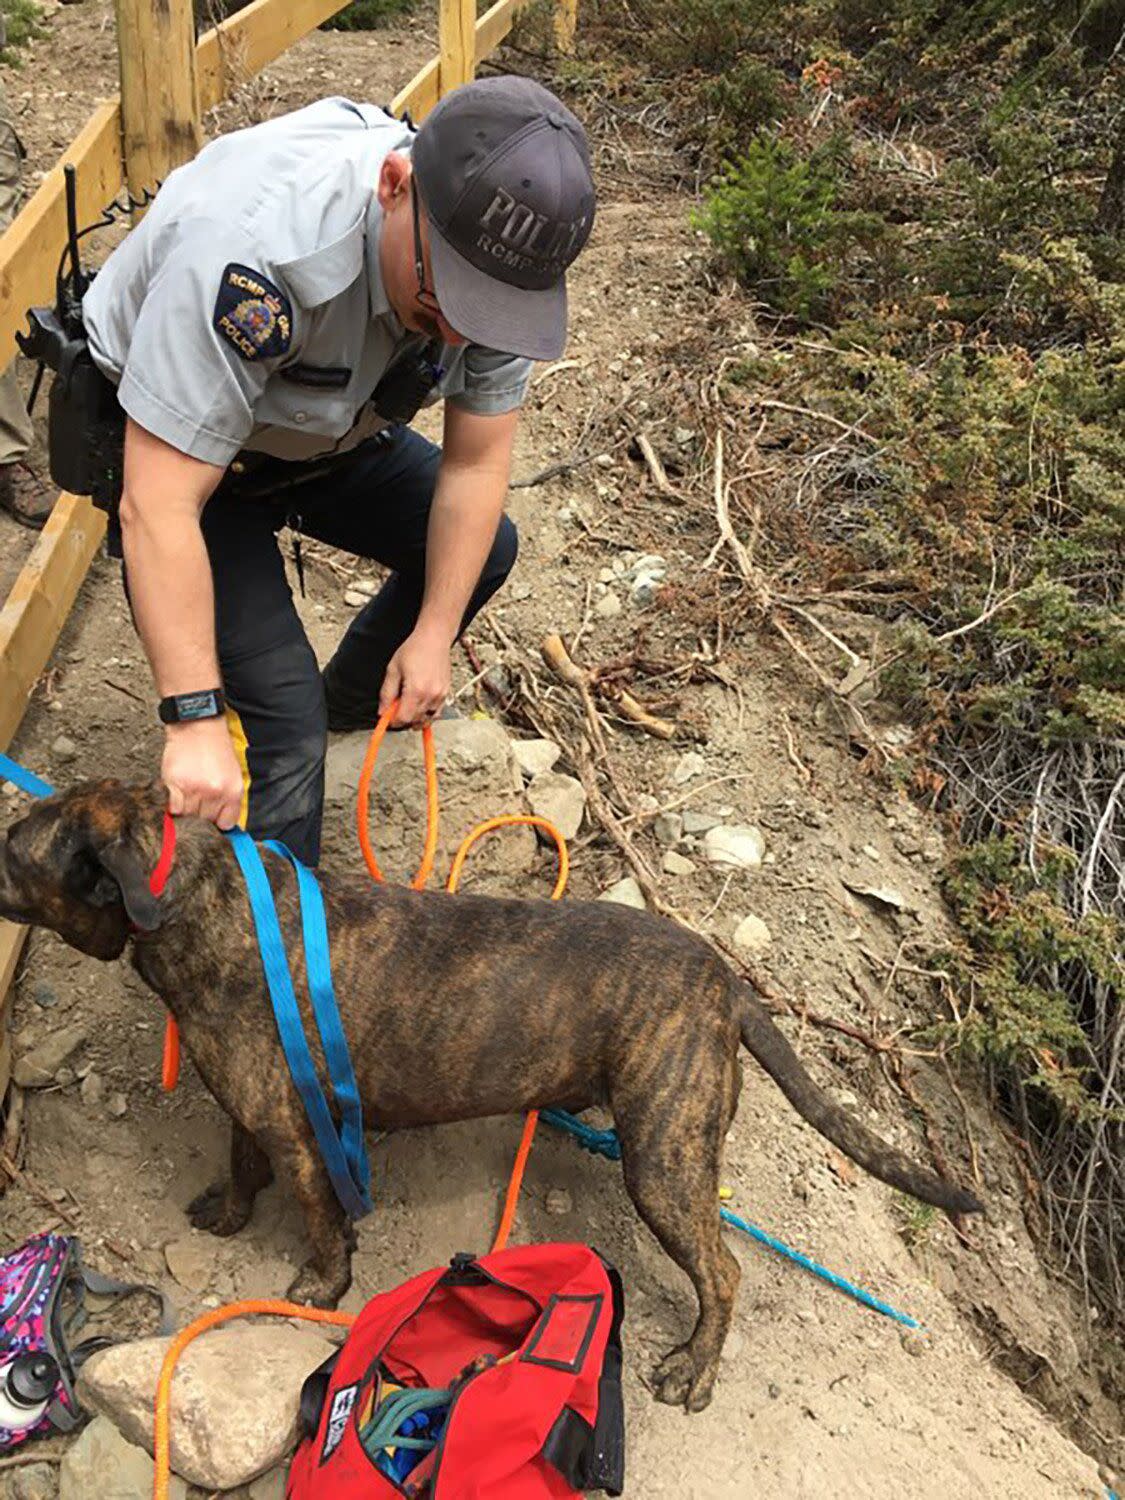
x=201, y=771
x=419, y=675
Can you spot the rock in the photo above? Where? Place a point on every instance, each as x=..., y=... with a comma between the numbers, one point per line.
x=35, y=1482
x=478, y=777
x=700, y=822
x=36, y=1068
x=916, y=1341
x=560, y=799
x=355, y=598
x=559, y=1201
x=608, y=606
x=92, y=1090
x=752, y=935
x=535, y=756
x=606, y=575
x=104, y=1464
x=871, y=852
x=734, y=844
x=676, y=864
x=668, y=828
x=234, y=1406
x=270, y=1486
x=645, y=575
x=498, y=680
x=626, y=893
x=44, y=995
x=688, y=766
x=881, y=895
x=65, y=1076
x=64, y=749
x=192, y=1260
x=118, y=1105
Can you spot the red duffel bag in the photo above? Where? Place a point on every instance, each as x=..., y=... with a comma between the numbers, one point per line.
x=492, y=1379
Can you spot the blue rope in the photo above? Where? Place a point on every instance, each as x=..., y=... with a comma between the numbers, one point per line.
x=605, y=1143
x=27, y=781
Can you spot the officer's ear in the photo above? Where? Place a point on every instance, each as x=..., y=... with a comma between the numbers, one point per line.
x=394, y=179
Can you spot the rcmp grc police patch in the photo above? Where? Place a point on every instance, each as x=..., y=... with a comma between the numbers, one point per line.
x=252, y=314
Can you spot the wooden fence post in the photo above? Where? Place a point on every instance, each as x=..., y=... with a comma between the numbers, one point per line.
x=566, y=21
x=457, y=21
x=159, y=92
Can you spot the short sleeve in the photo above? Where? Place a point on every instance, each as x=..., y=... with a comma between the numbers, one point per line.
x=206, y=339
x=491, y=383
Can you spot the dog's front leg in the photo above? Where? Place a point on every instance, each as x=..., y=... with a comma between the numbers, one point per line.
x=327, y=1274
x=226, y=1205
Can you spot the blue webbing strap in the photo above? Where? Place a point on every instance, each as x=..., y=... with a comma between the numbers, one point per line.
x=354, y=1197
x=27, y=781
x=322, y=992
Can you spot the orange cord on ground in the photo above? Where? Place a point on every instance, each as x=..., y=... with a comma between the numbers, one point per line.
x=161, y=1434
x=170, y=1067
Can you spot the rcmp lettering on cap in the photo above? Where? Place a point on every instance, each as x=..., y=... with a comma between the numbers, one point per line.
x=252, y=314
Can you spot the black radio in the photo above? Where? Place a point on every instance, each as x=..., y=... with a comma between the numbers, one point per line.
x=86, y=426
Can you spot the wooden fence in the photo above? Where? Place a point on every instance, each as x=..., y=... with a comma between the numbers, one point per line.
x=168, y=79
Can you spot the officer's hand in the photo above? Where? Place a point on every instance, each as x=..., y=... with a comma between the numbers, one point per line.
x=419, y=674
x=201, y=771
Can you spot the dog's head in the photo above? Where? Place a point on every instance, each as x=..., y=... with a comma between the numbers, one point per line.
x=80, y=862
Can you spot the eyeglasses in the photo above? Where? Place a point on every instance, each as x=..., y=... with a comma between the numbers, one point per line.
x=426, y=299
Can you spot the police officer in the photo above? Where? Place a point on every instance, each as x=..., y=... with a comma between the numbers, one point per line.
x=290, y=299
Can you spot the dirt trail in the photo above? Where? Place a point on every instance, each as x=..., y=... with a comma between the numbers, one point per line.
x=817, y=1397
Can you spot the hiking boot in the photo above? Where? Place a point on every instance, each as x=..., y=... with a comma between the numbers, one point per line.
x=24, y=495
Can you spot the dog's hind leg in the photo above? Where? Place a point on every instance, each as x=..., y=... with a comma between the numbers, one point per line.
x=327, y=1274
x=671, y=1146
x=225, y=1207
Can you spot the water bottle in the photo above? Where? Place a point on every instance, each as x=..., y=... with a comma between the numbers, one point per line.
x=27, y=1385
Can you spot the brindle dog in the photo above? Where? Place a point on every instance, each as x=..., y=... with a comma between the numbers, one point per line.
x=455, y=1008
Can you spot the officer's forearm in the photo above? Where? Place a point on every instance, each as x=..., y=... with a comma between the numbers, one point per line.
x=169, y=573
x=463, y=519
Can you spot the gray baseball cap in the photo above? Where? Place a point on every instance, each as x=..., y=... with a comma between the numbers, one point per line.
x=503, y=171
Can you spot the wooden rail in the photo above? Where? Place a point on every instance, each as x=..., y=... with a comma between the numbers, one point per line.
x=167, y=81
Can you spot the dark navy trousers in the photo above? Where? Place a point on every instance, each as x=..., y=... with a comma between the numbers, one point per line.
x=373, y=502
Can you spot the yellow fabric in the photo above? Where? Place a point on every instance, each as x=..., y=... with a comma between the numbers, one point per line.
x=241, y=745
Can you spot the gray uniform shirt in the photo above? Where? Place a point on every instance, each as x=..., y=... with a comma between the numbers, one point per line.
x=247, y=308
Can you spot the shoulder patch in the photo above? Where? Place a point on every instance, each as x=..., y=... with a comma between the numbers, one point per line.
x=252, y=314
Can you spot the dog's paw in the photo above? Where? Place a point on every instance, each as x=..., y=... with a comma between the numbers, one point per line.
x=677, y=1382
x=214, y=1211
x=313, y=1288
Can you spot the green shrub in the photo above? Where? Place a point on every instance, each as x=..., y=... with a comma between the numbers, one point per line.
x=776, y=219
x=367, y=15
x=20, y=22
x=736, y=104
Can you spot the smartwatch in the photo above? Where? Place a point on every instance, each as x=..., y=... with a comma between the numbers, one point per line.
x=183, y=708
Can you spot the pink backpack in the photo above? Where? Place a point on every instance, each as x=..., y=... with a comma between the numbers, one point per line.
x=42, y=1288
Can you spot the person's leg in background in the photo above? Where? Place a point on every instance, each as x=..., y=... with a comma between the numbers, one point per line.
x=378, y=506
x=270, y=675
x=21, y=494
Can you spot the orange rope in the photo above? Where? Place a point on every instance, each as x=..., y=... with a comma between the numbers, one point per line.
x=170, y=1067
x=363, y=801
x=161, y=1437
x=515, y=1182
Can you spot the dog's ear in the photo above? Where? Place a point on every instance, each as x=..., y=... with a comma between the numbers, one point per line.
x=115, y=876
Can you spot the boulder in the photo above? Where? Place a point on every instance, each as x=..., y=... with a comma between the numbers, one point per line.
x=560, y=799
x=235, y=1399
x=104, y=1464
x=478, y=778
x=270, y=1486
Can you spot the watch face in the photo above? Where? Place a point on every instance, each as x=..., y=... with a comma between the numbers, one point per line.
x=196, y=706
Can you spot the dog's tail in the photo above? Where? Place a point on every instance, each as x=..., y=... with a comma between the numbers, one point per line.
x=768, y=1045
